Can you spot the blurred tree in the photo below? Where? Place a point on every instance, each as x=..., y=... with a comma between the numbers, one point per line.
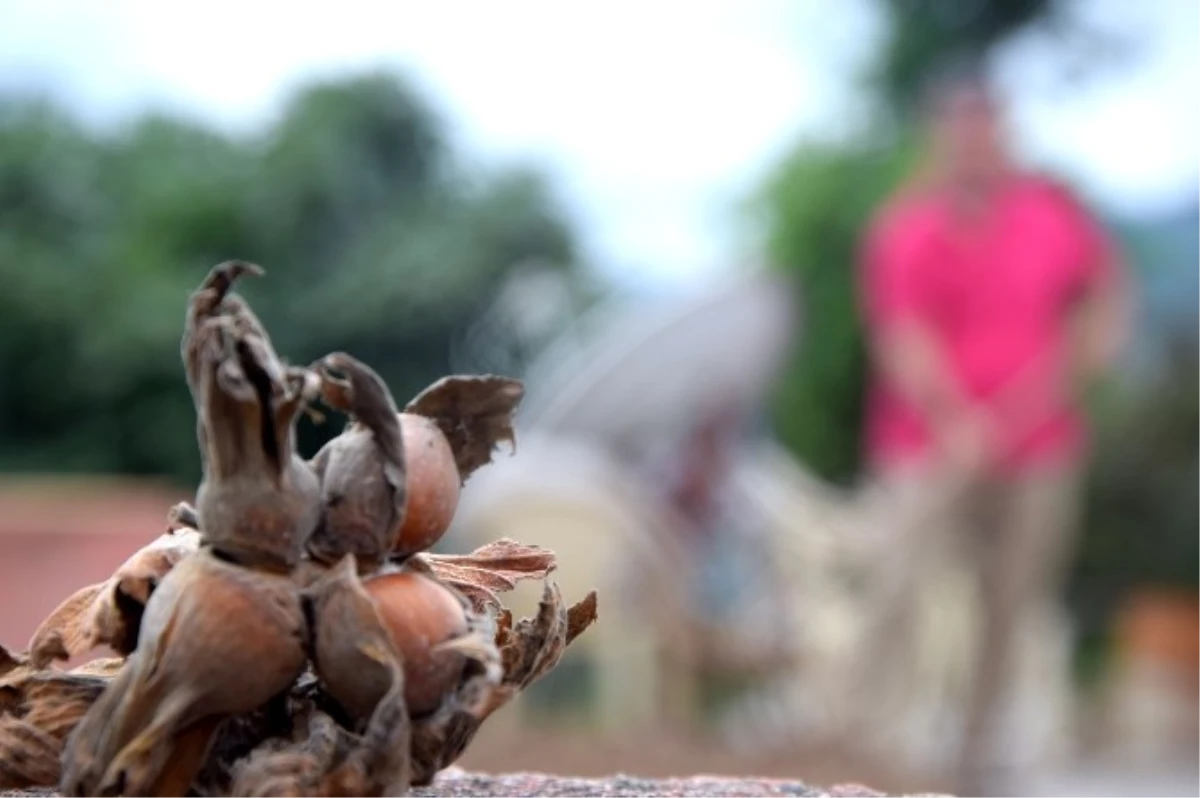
x=376, y=239
x=921, y=33
x=814, y=208
x=1143, y=495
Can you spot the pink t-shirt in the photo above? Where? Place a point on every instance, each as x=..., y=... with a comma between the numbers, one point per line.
x=997, y=295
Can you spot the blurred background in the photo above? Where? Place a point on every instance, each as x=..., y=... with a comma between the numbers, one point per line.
x=651, y=213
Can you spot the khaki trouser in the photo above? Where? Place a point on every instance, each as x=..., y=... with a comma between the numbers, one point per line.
x=1015, y=535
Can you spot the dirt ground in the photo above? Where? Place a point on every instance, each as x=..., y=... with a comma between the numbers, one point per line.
x=650, y=755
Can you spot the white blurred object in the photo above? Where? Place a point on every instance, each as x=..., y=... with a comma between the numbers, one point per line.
x=536, y=303
x=631, y=382
x=572, y=496
x=823, y=537
x=651, y=370
x=569, y=496
x=628, y=380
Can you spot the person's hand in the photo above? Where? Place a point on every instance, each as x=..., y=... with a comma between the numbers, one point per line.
x=969, y=442
x=1043, y=388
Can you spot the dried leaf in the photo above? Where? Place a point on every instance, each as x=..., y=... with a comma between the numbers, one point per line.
x=494, y=568
x=282, y=767
x=436, y=746
x=475, y=413
x=72, y=628
x=105, y=667
x=504, y=622
x=9, y=662
x=328, y=760
x=182, y=518
x=581, y=616
x=28, y=756
x=526, y=652
x=110, y=613
x=38, y=709
x=286, y=772
x=540, y=640
x=273, y=727
x=55, y=702
x=12, y=689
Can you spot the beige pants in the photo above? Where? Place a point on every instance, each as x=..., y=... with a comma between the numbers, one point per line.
x=1015, y=538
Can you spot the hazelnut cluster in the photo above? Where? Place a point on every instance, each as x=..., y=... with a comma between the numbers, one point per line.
x=290, y=634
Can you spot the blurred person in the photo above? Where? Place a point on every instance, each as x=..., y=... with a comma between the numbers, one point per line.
x=723, y=556
x=989, y=296
x=718, y=556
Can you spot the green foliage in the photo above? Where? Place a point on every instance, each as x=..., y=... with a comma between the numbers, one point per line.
x=1143, y=493
x=814, y=209
x=923, y=32
x=376, y=240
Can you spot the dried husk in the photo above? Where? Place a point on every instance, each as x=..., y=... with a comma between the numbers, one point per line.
x=474, y=412
x=304, y=742
x=224, y=632
x=319, y=756
x=304, y=764
x=276, y=750
x=525, y=653
x=361, y=470
x=352, y=653
x=257, y=501
x=217, y=640
x=110, y=613
x=38, y=709
x=244, y=668
x=30, y=756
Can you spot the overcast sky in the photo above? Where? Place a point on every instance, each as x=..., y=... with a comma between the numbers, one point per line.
x=653, y=115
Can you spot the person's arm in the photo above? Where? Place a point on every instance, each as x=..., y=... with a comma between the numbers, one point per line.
x=1104, y=319
x=1102, y=314
x=906, y=352
x=911, y=359
x=1100, y=326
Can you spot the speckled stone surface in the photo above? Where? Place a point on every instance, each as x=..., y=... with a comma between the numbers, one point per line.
x=455, y=783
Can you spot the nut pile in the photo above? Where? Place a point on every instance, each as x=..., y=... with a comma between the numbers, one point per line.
x=288, y=635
